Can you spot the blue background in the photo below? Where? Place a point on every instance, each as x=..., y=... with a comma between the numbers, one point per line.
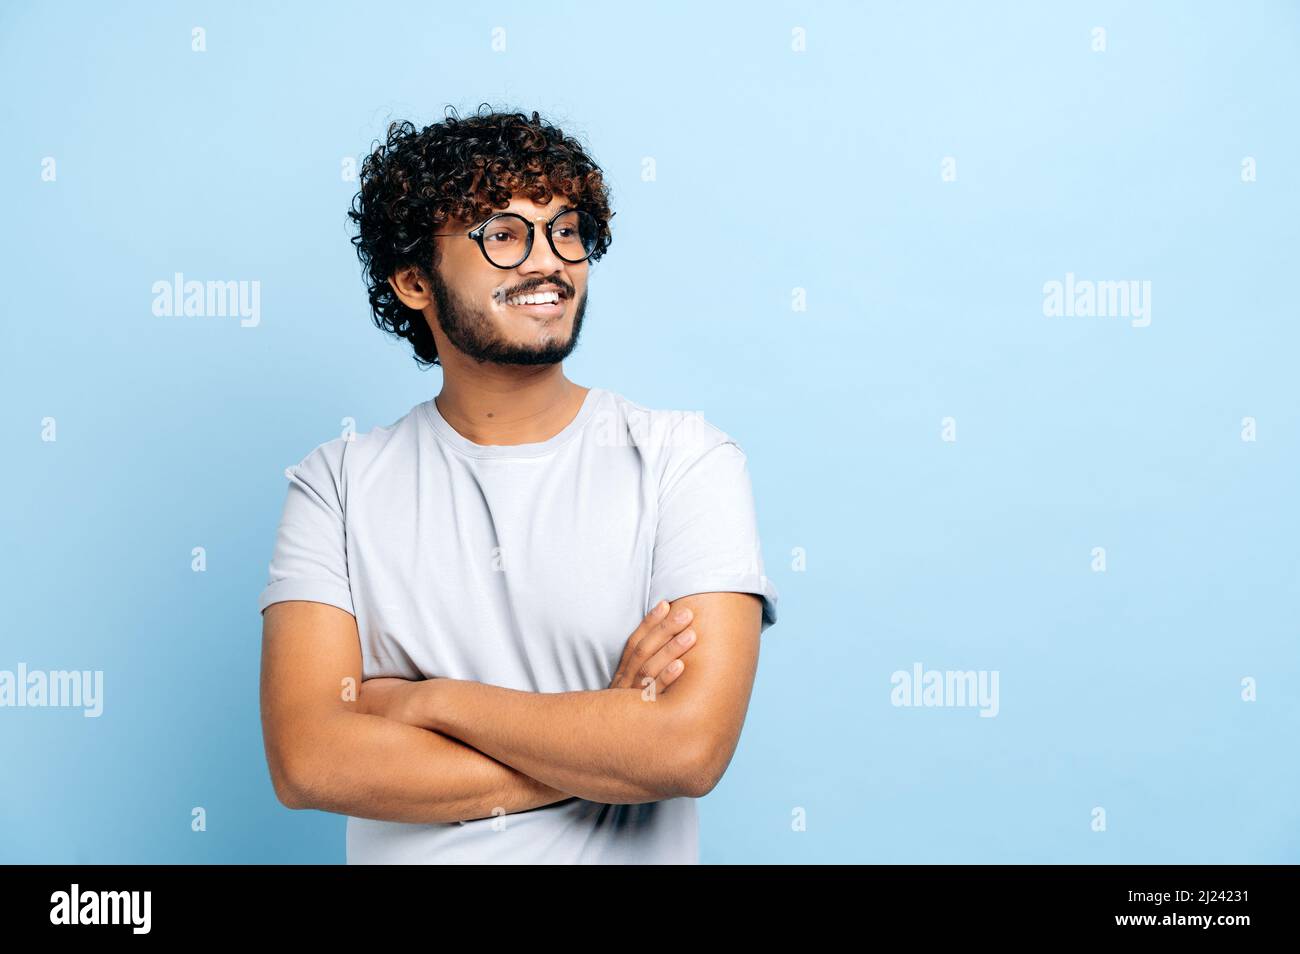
x=817, y=170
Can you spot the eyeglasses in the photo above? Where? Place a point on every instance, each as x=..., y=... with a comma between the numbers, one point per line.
x=506, y=239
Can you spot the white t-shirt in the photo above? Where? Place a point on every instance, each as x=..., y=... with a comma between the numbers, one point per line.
x=526, y=566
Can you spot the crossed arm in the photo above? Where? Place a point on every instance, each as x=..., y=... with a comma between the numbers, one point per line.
x=446, y=750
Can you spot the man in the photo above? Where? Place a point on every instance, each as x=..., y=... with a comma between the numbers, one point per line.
x=521, y=623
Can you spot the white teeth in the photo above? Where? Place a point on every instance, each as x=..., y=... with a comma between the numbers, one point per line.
x=542, y=298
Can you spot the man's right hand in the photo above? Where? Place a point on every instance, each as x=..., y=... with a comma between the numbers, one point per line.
x=653, y=650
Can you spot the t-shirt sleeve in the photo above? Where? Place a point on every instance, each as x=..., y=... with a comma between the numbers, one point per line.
x=707, y=536
x=310, y=557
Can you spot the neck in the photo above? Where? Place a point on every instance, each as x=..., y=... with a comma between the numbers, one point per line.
x=502, y=406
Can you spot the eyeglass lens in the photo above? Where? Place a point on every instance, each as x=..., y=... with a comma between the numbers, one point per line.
x=505, y=239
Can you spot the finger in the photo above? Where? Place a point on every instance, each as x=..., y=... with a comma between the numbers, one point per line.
x=670, y=625
x=623, y=674
x=638, y=654
x=672, y=672
x=659, y=634
x=675, y=647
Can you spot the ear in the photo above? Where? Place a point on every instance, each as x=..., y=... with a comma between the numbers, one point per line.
x=411, y=288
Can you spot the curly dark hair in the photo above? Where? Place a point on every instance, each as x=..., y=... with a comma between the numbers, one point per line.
x=462, y=168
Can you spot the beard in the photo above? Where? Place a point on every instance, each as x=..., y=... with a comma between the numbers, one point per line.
x=472, y=329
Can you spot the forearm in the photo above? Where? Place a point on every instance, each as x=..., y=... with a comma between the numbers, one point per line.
x=368, y=766
x=608, y=745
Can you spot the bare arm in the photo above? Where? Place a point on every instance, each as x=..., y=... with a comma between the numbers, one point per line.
x=620, y=745
x=325, y=754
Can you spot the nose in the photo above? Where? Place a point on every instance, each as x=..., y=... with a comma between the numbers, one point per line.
x=541, y=258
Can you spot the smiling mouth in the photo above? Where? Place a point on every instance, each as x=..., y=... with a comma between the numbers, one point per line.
x=552, y=309
x=547, y=303
x=536, y=296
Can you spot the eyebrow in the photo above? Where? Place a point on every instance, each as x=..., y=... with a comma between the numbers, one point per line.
x=538, y=218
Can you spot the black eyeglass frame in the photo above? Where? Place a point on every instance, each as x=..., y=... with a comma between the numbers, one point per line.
x=478, y=232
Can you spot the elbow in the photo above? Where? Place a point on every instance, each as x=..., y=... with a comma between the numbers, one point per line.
x=701, y=767
x=289, y=778
x=698, y=780
x=290, y=796
x=704, y=745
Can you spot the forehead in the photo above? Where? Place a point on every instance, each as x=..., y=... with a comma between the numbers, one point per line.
x=530, y=209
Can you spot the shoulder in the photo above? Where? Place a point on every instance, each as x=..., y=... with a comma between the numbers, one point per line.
x=670, y=441
x=659, y=431
x=329, y=467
